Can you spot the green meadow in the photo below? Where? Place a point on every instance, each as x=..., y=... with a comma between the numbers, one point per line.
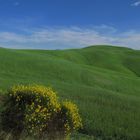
x=104, y=81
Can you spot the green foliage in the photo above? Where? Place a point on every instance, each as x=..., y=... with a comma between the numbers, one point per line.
x=37, y=111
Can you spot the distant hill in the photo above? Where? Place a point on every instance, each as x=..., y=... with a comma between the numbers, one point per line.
x=103, y=80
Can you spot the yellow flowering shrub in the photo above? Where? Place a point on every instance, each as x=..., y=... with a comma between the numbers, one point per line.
x=71, y=112
x=36, y=110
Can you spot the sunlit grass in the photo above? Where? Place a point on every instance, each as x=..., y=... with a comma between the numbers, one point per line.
x=103, y=81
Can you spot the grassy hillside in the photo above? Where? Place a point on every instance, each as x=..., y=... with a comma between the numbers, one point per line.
x=104, y=81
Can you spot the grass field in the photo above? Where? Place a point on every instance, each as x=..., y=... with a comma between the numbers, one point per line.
x=104, y=81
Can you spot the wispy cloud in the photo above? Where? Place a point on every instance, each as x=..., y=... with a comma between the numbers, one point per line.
x=137, y=3
x=72, y=37
x=16, y=3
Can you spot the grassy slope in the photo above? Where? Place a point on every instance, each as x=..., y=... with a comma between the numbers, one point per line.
x=104, y=81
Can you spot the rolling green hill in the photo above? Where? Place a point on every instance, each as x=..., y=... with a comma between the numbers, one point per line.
x=104, y=81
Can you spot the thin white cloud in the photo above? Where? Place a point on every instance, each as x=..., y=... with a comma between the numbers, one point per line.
x=16, y=3
x=12, y=37
x=137, y=3
x=72, y=37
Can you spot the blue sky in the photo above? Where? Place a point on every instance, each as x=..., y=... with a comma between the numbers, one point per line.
x=58, y=24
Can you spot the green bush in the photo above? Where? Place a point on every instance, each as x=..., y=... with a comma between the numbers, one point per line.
x=36, y=111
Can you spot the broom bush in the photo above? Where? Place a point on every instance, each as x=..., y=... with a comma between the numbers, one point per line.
x=36, y=111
